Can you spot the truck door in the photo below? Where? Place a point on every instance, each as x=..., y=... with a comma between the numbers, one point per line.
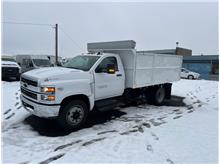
x=108, y=85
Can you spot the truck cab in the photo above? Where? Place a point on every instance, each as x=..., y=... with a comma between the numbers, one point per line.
x=87, y=77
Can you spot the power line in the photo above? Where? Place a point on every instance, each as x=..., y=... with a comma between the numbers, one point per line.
x=69, y=37
x=41, y=24
x=26, y=23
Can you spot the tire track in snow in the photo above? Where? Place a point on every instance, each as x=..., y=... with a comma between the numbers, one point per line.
x=11, y=115
x=7, y=111
x=67, y=145
x=93, y=141
x=169, y=161
x=104, y=132
x=163, y=154
x=51, y=159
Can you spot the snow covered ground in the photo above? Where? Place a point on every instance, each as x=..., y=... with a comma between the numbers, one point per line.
x=173, y=133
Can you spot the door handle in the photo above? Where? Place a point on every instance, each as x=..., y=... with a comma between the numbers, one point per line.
x=119, y=75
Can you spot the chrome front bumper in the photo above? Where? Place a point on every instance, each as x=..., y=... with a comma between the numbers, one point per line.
x=40, y=110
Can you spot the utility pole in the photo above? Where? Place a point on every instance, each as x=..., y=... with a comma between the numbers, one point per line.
x=56, y=44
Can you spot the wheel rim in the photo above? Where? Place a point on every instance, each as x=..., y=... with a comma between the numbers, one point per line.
x=190, y=77
x=75, y=115
x=160, y=95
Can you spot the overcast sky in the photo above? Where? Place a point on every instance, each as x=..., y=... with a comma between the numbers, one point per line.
x=151, y=25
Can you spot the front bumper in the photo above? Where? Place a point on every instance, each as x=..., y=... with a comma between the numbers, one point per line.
x=40, y=110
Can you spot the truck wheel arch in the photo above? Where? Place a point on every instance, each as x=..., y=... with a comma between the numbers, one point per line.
x=82, y=97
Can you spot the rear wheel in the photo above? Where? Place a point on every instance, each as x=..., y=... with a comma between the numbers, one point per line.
x=156, y=95
x=73, y=114
x=159, y=96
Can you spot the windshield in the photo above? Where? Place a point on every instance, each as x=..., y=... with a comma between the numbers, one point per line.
x=81, y=62
x=41, y=62
x=185, y=70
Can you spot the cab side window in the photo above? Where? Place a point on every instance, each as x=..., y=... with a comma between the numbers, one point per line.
x=103, y=65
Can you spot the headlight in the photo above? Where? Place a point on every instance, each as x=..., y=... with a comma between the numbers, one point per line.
x=48, y=89
x=48, y=97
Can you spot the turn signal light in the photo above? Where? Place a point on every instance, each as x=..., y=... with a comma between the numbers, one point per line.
x=51, y=98
x=48, y=89
x=48, y=97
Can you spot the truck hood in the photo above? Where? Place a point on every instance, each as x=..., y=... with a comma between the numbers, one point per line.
x=53, y=74
x=9, y=64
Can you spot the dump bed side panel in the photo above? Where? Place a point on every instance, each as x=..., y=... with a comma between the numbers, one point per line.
x=167, y=68
x=153, y=69
x=144, y=70
x=128, y=61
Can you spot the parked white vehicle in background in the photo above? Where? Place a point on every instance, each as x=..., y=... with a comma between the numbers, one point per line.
x=10, y=69
x=110, y=74
x=30, y=62
x=187, y=74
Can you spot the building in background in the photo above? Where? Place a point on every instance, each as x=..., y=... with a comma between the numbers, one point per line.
x=177, y=51
x=206, y=65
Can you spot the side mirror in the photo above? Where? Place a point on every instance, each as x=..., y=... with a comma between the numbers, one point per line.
x=111, y=69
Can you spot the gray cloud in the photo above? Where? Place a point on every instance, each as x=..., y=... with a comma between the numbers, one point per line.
x=151, y=25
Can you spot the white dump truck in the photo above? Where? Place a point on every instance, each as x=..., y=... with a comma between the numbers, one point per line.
x=110, y=74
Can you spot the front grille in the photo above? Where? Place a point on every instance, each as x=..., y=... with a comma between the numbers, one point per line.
x=29, y=94
x=29, y=82
x=10, y=71
x=27, y=105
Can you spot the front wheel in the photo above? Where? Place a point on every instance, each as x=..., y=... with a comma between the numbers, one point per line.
x=73, y=114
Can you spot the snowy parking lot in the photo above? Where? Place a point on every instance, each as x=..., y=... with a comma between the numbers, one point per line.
x=184, y=129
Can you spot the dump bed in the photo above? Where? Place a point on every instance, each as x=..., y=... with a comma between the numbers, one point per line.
x=142, y=68
x=146, y=69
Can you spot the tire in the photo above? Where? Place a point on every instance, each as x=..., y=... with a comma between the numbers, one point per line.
x=156, y=95
x=190, y=77
x=73, y=115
